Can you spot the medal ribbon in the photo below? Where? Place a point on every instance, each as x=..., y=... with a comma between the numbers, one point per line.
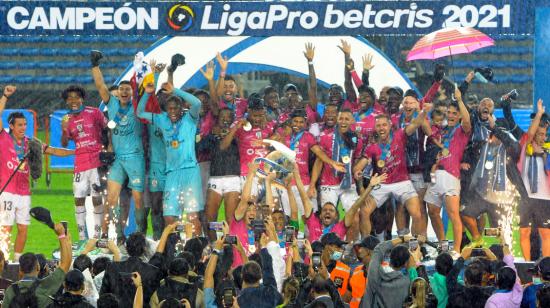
x=385, y=149
x=121, y=113
x=361, y=116
x=176, y=130
x=19, y=149
x=448, y=136
x=79, y=110
x=294, y=139
x=532, y=174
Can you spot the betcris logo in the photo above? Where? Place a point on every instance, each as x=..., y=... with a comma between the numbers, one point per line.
x=180, y=17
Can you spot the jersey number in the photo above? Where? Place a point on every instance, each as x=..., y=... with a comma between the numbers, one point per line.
x=7, y=205
x=77, y=177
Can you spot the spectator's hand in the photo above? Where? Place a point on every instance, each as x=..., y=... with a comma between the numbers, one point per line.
x=9, y=90
x=464, y=166
x=239, y=245
x=171, y=228
x=90, y=245
x=168, y=87
x=377, y=179
x=225, y=228
x=307, y=247
x=159, y=68
x=218, y=244
x=466, y=253
x=270, y=229
x=490, y=255
x=59, y=229
x=367, y=62
x=263, y=240
x=323, y=271
x=469, y=77
x=189, y=230
x=310, y=52
x=223, y=61
x=252, y=168
x=345, y=48
x=136, y=278
x=312, y=192
x=185, y=303
x=208, y=71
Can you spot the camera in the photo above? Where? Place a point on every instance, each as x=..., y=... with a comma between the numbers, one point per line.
x=491, y=232
x=180, y=228
x=478, y=252
x=230, y=240
x=101, y=244
x=289, y=234
x=413, y=244
x=215, y=226
x=228, y=297
x=444, y=246
x=316, y=260
x=258, y=227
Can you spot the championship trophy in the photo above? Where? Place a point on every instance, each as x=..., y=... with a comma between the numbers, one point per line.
x=281, y=161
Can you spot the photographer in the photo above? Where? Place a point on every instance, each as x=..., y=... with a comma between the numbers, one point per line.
x=30, y=289
x=389, y=287
x=177, y=286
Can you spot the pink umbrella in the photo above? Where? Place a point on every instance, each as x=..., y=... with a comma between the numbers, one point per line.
x=448, y=42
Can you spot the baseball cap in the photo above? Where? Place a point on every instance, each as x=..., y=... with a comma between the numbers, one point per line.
x=368, y=242
x=290, y=86
x=332, y=239
x=397, y=90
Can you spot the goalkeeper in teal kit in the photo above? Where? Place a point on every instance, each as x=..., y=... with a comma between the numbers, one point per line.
x=182, y=190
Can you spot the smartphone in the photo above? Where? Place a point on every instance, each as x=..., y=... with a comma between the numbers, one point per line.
x=316, y=260
x=289, y=234
x=65, y=225
x=413, y=244
x=101, y=244
x=266, y=210
x=445, y=246
x=491, y=232
x=215, y=225
x=180, y=228
x=228, y=297
x=230, y=240
x=259, y=227
x=478, y=252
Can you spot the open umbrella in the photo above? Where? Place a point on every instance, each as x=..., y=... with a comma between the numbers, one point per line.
x=448, y=42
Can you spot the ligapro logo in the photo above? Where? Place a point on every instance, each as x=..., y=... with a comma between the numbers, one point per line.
x=180, y=17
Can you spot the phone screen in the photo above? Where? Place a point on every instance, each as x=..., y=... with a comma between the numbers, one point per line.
x=413, y=244
x=316, y=260
x=228, y=297
x=289, y=234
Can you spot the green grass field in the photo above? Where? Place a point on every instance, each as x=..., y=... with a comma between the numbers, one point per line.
x=59, y=200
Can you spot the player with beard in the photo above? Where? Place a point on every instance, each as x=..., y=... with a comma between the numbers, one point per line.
x=304, y=144
x=128, y=147
x=344, y=146
x=84, y=125
x=447, y=177
x=335, y=92
x=183, y=183
x=388, y=156
x=249, y=134
x=16, y=151
x=225, y=181
x=228, y=89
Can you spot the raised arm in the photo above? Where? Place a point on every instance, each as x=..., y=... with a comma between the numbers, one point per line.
x=222, y=61
x=465, y=115
x=211, y=267
x=226, y=141
x=416, y=123
x=292, y=203
x=535, y=123
x=308, y=207
x=246, y=194
x=192, y=100
x=65, y=247
x=315, y=173
x=100, y=85
x=8, y=91
x=208, y=74
x=375, y=180
x=348, y=67
x=309, y=53
x=316, y=149
x=506, y=104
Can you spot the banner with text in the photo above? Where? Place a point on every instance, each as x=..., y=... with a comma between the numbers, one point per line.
x=496, y=17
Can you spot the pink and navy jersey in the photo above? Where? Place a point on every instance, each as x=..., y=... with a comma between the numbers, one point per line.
x=458, y=142
x=354, y=107
x=329, y=177
x=395, y=165
x=245, y=139
x=239, y=107
x=19, y=185
x=302, y=144
x=85, y=128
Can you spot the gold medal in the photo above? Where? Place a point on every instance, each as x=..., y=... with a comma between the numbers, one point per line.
x=346, y=159
x=380, y=163
x=445, y=152
x=175, y=144
x=65, y=118
x=197, y=138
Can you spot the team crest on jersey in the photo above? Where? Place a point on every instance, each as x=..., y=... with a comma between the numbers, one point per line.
x=154, y=183
x=259, y=135
x=136, y=181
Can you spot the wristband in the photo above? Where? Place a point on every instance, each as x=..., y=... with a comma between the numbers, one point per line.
x=62, y=236
x=216, y=251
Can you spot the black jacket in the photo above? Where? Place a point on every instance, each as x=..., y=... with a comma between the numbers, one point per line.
x=476, y=296
x=70, y=300
x=122, y=285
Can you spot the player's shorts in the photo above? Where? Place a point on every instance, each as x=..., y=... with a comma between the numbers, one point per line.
x=131, y=168
x=445, y=185
x=156, y=177
x=400, y=191
x=14, y=208
x=477, y=206
x=225, y=184
x=182, y=192
x=286, y=205
x=534, y=212
x=334, y=193
x=417, y=180
x=83, y=183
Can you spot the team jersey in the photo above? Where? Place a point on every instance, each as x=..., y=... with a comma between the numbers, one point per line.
x=329, y=176
x=85, y=128
x=126, y=136
x=157, y=148
x=395, y=165
x=301, y=143
x=238, y=107
x=19, y=185
x=458, y=142
x=364, y=123
x=179, y=138
x=247, y=150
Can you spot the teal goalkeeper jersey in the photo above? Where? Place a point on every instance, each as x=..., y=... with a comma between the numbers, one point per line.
x=126, y=136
